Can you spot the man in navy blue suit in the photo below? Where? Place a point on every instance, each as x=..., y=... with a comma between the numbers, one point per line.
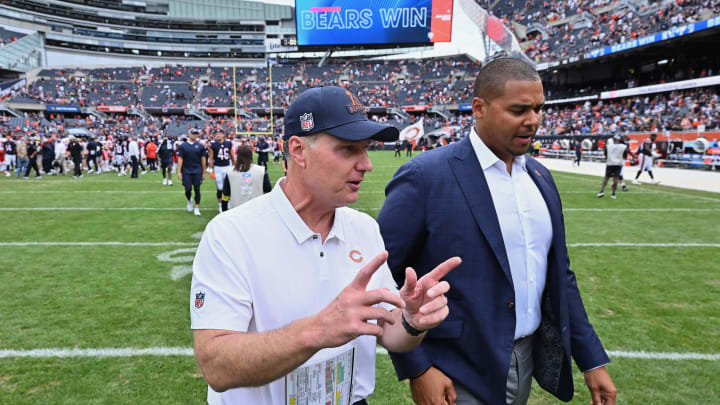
x=515, y=309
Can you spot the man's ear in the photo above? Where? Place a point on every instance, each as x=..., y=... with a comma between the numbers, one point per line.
x=479, y=107
x=296, y=148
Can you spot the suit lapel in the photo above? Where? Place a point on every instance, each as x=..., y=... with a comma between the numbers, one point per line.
x=471, y=179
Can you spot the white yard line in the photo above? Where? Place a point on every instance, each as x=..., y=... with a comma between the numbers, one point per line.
x=642, y=209
x=591, y=244
x=8, y=244
x=103, y=352
x=359, y=209
x=188, y=351
x=101, y=209
x=621, y=244
x=87, y=191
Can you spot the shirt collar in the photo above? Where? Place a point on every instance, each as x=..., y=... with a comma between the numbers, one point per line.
x=487, y=158
x=294, y=223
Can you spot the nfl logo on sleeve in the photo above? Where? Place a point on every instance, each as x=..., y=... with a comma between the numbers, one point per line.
x=306, y=122
x=199, y=299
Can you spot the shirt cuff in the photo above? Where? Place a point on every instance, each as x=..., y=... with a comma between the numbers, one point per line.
x=594, y=368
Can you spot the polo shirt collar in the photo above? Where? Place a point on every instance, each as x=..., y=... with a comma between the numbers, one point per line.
x=487, y=158
x=294, y=223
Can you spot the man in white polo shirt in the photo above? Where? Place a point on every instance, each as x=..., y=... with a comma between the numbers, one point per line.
x=290, y=291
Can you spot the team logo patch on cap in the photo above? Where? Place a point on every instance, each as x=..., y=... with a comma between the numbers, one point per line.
x=199, y=299
x=306, y=122
x=355, y=107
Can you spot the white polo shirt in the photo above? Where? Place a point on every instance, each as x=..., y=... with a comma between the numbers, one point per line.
x=259, y=267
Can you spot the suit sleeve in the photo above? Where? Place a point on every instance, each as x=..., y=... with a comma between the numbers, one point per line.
x=403, y=230
x=585, y=345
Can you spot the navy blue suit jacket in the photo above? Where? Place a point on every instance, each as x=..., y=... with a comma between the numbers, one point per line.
x=439, y=205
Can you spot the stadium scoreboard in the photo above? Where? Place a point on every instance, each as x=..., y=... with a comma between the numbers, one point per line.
x=352, y=22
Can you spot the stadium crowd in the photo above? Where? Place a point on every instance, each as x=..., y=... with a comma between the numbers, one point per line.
x=611, y=23
x=676, y=111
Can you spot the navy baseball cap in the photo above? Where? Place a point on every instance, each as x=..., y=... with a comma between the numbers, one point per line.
x=336, y=111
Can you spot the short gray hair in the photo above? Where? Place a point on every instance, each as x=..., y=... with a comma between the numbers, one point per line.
x=309, y=141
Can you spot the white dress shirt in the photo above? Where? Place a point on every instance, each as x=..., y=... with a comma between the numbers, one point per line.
x=133, y=149
x=526, y=230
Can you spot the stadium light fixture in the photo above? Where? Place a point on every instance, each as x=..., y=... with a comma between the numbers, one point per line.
x=662, y=62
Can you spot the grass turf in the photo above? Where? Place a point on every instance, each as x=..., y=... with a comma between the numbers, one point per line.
x=638, y=298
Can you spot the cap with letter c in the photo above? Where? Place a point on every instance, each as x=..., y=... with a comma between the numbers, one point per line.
x=336, y=111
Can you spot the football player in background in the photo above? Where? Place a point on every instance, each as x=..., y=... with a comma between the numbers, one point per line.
x=646, y=153
x=221, y=157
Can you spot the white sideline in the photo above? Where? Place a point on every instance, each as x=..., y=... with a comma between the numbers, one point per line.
x=613, y=209
x=598, y=244
x=187, y=351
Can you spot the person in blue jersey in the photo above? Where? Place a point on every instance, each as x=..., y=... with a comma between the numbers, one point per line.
x=192, y=162
x=221, y=157
x=93, y=150
x=166, y=152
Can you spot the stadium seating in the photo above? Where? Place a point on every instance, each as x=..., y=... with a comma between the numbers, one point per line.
x=7, y=36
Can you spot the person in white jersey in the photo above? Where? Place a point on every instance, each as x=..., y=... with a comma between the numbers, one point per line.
x=290, y=291
x=646, y=153
x=615, y=153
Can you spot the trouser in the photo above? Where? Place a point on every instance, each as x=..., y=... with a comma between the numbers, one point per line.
x=519, y=381
x=192, y=181
x=134, y=161
x=47, y=165
x=263, y=160
x=22, y=166
x=93, y=159
x=60, y=160
x=77, y=161
x=11, y=160
x=34, y=165
x=151, y=163
x=166, y=166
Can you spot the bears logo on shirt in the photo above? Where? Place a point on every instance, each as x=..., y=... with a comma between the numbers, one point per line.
x=356, y=256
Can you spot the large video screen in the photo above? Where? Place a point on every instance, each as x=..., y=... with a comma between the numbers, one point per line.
x=353, y=22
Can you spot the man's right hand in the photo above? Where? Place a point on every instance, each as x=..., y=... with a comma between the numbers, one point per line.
x=179, y=175
x=433, y=387
x=348, y=314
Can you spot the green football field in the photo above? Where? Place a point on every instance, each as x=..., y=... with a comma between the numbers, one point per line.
x=102, y=263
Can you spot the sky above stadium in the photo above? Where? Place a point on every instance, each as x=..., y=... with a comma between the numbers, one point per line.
x=466, y=37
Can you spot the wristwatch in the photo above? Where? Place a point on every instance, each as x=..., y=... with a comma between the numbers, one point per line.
x=408, y=328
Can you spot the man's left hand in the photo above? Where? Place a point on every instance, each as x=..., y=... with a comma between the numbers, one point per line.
x=602, y=389
x=425, y=302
